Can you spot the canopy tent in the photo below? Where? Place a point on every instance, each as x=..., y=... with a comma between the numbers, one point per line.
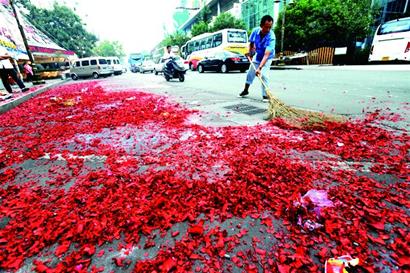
x=40, y=45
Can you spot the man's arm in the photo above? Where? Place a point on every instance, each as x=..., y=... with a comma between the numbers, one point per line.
x=251, y=50
x=268, y=50
x=263, y=62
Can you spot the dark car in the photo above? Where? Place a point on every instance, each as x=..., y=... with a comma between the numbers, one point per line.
x=224, y=61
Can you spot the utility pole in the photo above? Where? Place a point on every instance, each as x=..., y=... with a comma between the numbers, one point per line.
x=282, y=30
x=36, y=79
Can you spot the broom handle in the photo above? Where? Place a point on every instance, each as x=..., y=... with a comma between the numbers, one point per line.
x=260, y=78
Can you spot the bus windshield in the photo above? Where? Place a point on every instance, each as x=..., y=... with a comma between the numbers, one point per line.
x=394, y=27
x=237, y=36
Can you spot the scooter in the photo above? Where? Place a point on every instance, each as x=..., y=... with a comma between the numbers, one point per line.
x=174, y=69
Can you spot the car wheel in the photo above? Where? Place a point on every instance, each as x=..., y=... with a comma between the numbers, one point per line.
x=74, y=77
x=200, y=69
x=224, y=68
x=167, y=78
x=155, y=72
x=95, y=75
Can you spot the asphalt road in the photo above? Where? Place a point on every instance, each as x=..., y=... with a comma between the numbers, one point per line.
x=351, y=91
x=342, y=90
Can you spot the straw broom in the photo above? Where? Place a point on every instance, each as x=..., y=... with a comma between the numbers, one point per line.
x=295, y=117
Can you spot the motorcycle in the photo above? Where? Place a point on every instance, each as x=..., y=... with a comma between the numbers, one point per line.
x=174, y=69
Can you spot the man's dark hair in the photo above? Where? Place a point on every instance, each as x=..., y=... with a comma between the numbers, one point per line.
x=168, y=46
x=266, y=18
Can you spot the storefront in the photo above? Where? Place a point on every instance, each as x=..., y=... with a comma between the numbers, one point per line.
x=50, y=58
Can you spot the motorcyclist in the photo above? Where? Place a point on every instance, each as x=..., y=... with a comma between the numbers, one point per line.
x=168, y=54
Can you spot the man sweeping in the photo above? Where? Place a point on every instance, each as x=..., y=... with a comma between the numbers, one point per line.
x=261, y=43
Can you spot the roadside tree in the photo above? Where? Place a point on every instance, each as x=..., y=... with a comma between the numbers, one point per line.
x=63, y=26
x=227, y=20
x=199, y=28
x=177, y=38
x=109, y=48
x=316, y=23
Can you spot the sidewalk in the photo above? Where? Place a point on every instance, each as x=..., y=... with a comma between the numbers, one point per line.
x=19, y=97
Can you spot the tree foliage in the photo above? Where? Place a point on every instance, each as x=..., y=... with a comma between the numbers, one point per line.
x=177, y=38
x=224, y=20
x=227, y=20
x=109, y=48
x=205, y=15
x=199, y=28
x=315, y=23
x=63, y=26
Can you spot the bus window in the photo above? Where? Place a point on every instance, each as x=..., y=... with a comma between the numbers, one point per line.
x=190, y=47
x=196, y=46
x=208, y=43
x=217, y=39
x=237, y=36
x=394, y=27
x=203, y=41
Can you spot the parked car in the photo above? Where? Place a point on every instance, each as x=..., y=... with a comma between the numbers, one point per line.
x=159, y=66
x=90, y=67
x=115, y=64
x=147, y=66
x=224, y=62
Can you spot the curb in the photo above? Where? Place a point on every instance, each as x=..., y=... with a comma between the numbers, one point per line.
x=285, y=68
x=12, y=104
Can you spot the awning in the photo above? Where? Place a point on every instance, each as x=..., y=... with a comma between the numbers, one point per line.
x=10, y=37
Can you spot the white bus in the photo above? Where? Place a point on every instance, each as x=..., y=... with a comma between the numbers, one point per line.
x=391, y=41
x=234, y=40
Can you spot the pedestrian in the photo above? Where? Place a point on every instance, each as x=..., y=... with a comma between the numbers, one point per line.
x=261, y=53
x=28, y=70
x=7, y=70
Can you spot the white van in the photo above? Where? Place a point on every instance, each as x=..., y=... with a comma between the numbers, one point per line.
x=90, y=67
x=115, y=64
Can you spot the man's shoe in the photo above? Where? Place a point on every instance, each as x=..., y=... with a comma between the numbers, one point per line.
x=243, y=94
x=25, y=89
x=265, y=99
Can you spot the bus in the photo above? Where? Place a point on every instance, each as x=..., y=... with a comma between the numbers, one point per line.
x=391, y=41
x=230, y=39
x=135, y=61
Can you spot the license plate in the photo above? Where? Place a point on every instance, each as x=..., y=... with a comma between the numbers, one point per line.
x=385, y=58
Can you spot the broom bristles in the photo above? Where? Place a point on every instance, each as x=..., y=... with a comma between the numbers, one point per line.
x=296, y=117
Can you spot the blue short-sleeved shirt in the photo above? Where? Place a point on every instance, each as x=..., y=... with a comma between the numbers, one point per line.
x=261, y=45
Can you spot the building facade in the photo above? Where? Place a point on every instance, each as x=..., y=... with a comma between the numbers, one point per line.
x=216, y=7
x=250, y=11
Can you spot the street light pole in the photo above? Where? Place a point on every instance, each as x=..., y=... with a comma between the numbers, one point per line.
x=282, y=31
x=36, y=79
